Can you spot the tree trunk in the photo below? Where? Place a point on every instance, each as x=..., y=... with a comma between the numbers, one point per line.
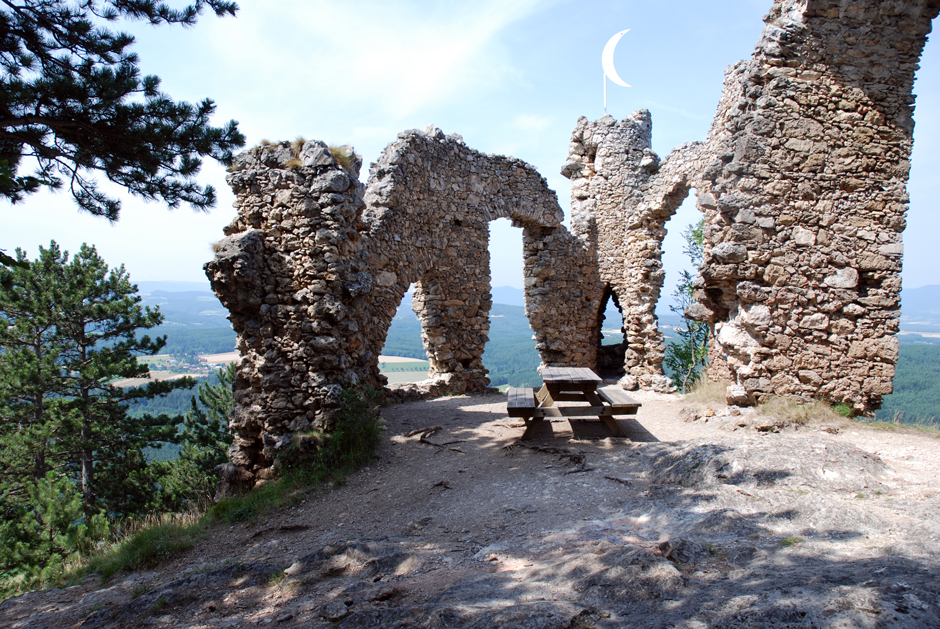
x=88, y=468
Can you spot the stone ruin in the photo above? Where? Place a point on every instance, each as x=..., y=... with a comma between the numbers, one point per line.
x=315, y=265
x=802, y=184
x=804, y=194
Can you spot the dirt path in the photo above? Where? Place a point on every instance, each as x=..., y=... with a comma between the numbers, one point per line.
x=697, y=522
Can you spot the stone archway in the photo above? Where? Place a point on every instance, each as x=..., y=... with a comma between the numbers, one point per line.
x=315, y=265
x=429, y=202
x=622, y=196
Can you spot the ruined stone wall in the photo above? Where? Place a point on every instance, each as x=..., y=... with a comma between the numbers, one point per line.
x=802, y=181
x=805, y=201
x=315, y=265
x=621, y=199
x=290, y=309
x=429, y=200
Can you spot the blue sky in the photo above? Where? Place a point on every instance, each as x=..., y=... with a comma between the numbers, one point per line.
x=510, y=76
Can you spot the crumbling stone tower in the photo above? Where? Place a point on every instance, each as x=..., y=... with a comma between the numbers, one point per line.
x=621, y=199
x=804, y=194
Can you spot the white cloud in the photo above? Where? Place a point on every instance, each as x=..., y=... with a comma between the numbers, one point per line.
x=397, y=59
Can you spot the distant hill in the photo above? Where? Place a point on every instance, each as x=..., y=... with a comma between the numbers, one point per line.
x=193, y=306
x=921, y=301
x=195, y=323
x=174, y=287
x=508, y=295
x=191, y=309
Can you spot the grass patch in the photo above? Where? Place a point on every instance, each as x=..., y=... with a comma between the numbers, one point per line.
x=844, y=410
x=791, y=541
x=144, y=544
x=707, y=391
x=314, y=459
x=343, y=156
x=276, y=577
x=310, y=462
x=797, y=411
x=923, y=425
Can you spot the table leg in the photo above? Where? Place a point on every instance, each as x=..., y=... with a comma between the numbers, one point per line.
x=544, y=398
x=608, y=420
x=531, y=425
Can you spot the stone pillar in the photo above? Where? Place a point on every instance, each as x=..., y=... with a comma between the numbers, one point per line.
x=287, y=272
x=805, y=199
x=621, y=198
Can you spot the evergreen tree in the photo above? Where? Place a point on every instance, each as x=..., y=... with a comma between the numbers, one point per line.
x=69, y=330
x=31, y=387
x=191, y=479
x=686, y=357
x=73, y=103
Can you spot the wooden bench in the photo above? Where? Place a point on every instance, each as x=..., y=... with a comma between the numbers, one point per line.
x=620, y=402
x=522, y=402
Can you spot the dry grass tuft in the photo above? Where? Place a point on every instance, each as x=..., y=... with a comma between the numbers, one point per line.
x=708, y=392
x=342, y=156
x=798, y=411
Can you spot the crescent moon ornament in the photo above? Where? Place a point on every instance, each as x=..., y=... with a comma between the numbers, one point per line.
x=607, y=61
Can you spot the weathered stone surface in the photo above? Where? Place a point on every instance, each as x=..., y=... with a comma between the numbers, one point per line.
x=621, y=198
x=802, y=182
x=808, y=158
x=315, y=265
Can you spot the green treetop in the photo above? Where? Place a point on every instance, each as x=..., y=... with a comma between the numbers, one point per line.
x=73, y=103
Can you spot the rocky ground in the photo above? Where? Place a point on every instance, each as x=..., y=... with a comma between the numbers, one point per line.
x=708, y=517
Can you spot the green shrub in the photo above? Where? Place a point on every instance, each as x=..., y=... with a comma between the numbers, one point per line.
x=315, y=458
x=844, y=410
x=145, y=542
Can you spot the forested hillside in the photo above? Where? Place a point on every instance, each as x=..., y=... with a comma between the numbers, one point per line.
x=916, y=396
x=510, y=354
x=195, y=324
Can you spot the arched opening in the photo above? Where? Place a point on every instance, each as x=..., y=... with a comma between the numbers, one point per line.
x=403, y=359
x=675, y=260
x=510, y=356
x=611, y=337
x=679, y=269
x=430, y=335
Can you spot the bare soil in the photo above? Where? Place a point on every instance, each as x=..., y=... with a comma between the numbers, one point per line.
x=709, y=517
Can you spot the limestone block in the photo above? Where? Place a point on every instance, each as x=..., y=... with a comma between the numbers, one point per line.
x=843, y=278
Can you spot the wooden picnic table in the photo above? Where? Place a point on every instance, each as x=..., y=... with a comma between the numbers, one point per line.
x=569, y=384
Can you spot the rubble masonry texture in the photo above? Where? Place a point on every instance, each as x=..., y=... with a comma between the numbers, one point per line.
x=801, y=180
x=804, y=193
x=315, y=266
